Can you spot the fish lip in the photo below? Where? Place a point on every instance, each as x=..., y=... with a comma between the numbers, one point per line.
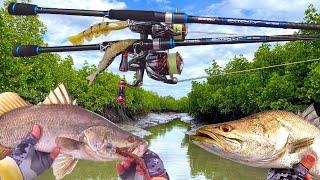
x=218, y=140
x=137, y=149
x=140, y=148
x=206, y=136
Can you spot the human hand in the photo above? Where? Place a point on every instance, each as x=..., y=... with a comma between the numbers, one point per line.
x=128, y=169
x=298, y=172
x=31, y=162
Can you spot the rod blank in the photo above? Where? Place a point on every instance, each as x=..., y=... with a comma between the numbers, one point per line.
x=33, y=50
x=154, y=16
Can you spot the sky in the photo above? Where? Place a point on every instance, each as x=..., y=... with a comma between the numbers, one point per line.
x=197, y=58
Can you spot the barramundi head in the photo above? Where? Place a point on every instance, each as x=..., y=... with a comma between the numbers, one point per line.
x=100, y=143
x=267, y=139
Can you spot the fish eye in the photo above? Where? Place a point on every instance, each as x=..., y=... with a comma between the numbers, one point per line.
x=131, y=139
x=109, y=146
x=226, y=128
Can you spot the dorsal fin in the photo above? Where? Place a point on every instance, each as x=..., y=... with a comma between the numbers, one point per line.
x=58, y=96
x=311, y=116
x=10, y=101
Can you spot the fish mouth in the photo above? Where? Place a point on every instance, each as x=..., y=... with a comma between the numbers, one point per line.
x=139, y=148
x=217, y=140
x=136, y=150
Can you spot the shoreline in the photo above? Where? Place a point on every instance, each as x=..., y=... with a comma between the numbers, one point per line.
x=142, y=122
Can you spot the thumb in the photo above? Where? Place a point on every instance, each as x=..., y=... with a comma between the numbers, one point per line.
x=36, y=131
x=308, y=177
x=54, y=153
x=140, y=170
x=308, y=161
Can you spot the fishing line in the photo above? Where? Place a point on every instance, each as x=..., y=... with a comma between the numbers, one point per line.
x=248, y=70
x=215, y=33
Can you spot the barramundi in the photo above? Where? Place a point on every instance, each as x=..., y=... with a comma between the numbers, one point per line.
x=80, y=133
x=270, y=139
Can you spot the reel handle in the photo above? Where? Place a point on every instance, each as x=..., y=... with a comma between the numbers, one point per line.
x=124, y=66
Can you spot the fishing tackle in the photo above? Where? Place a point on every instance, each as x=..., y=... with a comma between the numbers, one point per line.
x=160, y=64
x=122, y=94
x=167, y=30
x=97, y=30
x=137, y=159
x=111, y=51
x=124, y=66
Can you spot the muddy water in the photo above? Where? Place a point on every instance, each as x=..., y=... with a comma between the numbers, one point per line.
x=182, y=159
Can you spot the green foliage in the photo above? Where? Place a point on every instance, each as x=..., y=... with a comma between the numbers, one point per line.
x=290, y=88
x=34, y=77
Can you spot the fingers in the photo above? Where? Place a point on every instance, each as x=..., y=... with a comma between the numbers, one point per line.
x=120, y=169
x=54, y=153
x=36, y=131
x=124, y=166
x=127, y=163
x=140, y=170
x=308, y=177
x=308, y=161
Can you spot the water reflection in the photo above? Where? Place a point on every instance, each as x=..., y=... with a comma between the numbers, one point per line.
x=183, y=160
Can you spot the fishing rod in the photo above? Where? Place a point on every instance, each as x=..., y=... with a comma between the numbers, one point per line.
x=158, y=44
x=167, y=31
x=155, y=16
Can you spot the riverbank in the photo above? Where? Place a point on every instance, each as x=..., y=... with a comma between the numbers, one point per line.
x=142, y=122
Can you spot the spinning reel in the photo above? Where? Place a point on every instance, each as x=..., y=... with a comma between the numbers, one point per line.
x=159, y=65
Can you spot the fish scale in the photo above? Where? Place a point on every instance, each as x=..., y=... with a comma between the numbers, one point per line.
x=60, y=118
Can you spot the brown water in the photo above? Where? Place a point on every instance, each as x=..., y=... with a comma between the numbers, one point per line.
x=183, y=160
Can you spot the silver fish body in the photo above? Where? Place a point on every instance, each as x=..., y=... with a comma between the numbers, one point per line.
x=65, y=121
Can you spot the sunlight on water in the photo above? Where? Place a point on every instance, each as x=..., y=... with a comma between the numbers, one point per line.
x=182, y=159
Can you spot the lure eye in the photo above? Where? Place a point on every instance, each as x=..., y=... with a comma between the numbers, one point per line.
x=226, y=128
x=131, y=139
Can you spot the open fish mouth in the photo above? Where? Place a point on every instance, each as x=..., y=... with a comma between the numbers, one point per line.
x=217, y=140
x=138, y=149
x=110, y=152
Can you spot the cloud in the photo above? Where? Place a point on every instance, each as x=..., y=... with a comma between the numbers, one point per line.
x=196, y=58
x=163, y=1
x=279, y=10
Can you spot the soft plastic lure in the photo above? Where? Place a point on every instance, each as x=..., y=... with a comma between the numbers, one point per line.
x=110, y=53
x=137, y=159
x=97, y=30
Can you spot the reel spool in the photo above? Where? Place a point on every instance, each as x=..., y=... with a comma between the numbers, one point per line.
x=161, y=64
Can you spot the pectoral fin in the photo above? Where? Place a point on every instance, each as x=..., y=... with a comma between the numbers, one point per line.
x=67, y=143
x=271, y=158
x=63, y=166
x=4, y=152
x=302, y=143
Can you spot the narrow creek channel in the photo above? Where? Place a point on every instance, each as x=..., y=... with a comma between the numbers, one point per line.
x=183, y=160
